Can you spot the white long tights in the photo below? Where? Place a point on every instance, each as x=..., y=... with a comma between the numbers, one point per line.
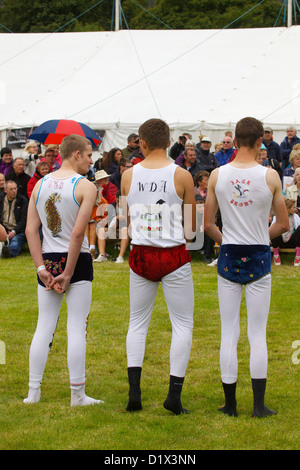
x=78, y=298
x=257, y=296
x=179, y=295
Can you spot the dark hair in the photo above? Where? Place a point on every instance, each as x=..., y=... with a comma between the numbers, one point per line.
x=123, y=161
x=155, y=133
x=131, y=137
x=247, y=131
x=5, y=150
x=199, y=176
x=110, y=158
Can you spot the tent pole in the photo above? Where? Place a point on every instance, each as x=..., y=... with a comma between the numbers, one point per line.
x=289, y=17
x=117, y=14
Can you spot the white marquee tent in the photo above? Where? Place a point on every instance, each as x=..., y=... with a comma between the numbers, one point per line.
x=201, y=81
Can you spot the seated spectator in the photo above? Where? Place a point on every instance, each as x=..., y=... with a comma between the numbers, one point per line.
x=226, y=154
x=115, y=178
x=109, y=190
x=32, y=156
x=289, y=239
x=287, y=145
x=293, y=191
x=189, y=163
x=206, y=159
x=42, y=169
x=218, y=147
x=117, y=229
x=273, y=149
x=294, y=161
x=188, y=145
x=2, y=182
x=3, y=234
x=201, y=182
x=110, y=164
x=98, y=214
x=49, y=157
x=6, y=161
x=132, y=144
x=263, y=159
x=18, y=175
x=13, y=216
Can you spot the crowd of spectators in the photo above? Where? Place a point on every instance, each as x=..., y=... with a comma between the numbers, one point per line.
x=18, y=177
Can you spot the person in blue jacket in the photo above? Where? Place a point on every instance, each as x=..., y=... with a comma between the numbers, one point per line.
x=287, y=145
x=224, y=155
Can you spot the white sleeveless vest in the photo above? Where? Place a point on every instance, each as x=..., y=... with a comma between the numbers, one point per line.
x=244, y=200
x=57, y=207
x=155, y=208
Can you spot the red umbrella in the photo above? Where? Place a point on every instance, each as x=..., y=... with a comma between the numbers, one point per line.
x=53, y=132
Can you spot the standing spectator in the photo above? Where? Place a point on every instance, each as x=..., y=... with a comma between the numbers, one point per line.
x=32, y=156
x=49, y=157
x=226, y=153
x=6, y=160
x=207, y=159
x=13, y=216
x=287, y=145
x=179, y=146
x=56, y=152
x=132, y=144
x=17, y=174
x=273, y=148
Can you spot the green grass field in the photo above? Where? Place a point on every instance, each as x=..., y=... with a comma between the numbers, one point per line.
x=54, y=425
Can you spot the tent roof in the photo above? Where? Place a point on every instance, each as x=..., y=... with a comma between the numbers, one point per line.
x=108, y=79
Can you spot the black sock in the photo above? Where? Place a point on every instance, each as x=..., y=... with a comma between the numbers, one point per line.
x=230, y=400
x=134, y=378
x=173, y=400
x=259, y=408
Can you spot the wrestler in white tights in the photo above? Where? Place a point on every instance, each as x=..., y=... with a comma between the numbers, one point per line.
x=179, y=296
x=78, y=298
x=257, y=295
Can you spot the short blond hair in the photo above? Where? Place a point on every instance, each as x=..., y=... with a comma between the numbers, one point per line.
x=294, y=154
x=72, y=143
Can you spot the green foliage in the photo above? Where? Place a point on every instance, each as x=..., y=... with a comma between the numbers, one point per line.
x=54, y=425
x=21, y=16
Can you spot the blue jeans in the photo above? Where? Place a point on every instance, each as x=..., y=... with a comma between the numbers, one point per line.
x=16, y=244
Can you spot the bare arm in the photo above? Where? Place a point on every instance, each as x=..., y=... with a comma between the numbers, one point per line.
x=184, y=185
x=85, y=193
x=281, y=223
x=125, y=186
x=3, y=234
x=33, y=238
x=210, y=209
